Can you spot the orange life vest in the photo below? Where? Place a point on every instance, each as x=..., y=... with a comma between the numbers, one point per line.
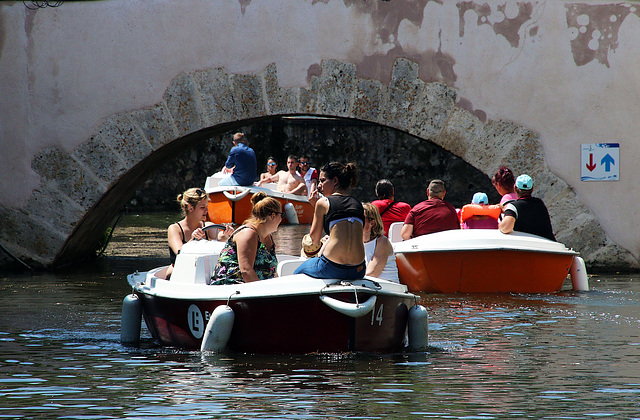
x=470, y=210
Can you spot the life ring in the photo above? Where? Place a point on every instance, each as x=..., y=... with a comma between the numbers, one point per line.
x=238, y=195
x=470, y=210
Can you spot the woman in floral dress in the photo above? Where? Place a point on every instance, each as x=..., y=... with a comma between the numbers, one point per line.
x=250, y=254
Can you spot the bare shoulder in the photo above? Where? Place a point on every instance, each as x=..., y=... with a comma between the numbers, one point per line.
x=173, y=227
x=246, y=235
x=385, y=243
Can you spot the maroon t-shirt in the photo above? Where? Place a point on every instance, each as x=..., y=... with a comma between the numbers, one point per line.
x=433, y=215
x=396, y=213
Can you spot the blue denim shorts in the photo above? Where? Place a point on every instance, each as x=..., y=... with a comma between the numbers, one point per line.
x=228, y=181
x=323, y=268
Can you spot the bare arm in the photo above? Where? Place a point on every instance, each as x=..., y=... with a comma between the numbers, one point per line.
x=316, y=232
x=380, y=257
x=301, y=189
x=313, y=187
x=247, y=245
x=266, y=178
x=507, y=224
x=406, y=232
x=174, y=236
x=223, y=235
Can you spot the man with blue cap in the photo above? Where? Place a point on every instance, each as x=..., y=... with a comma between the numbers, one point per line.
x=527, y=214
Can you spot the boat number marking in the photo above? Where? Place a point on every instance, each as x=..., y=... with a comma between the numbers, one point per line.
x=377, y=315
x=196, y=321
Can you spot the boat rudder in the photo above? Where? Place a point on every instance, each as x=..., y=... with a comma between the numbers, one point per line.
x=216, y=335
x=131, y=320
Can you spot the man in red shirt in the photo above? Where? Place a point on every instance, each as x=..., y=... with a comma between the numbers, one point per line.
x=390, y=210
x=431, y=215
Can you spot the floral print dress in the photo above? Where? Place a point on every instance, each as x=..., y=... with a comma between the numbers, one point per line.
x=228, y=270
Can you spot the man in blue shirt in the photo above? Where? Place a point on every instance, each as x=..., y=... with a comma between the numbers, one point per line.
x=241, y=163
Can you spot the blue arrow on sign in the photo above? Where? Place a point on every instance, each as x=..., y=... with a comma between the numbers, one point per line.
x=607, y=161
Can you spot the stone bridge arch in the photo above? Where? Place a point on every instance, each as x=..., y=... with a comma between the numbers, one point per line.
x=83, y=190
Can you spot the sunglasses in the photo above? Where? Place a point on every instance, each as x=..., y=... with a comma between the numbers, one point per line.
x=304, y=163
x=201, y=192
x=281, y=214
x=271, y=164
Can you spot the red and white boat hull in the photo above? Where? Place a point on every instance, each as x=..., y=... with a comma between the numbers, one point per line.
x=482, y=261
x=282, y=323
x=292, y=313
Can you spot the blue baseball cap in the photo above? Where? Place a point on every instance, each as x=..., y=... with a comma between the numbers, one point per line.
x=524, y=182
x=480, y=198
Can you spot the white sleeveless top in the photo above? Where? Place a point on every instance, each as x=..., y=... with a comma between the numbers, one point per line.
x=390, y=270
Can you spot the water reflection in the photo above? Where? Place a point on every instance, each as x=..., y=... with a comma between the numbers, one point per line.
x=565, y=355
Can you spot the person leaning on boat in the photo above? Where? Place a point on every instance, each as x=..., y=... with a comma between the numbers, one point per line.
x=341, y=216
x=194, y=206
x=379, y=255
x=527, y=214
x=432, y=215
x=250, y=254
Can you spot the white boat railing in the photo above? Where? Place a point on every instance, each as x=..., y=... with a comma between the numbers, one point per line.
x=211, y=186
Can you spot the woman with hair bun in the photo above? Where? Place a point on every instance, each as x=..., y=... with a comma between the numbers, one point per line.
x=341, y=216
x=250, y=253
x=504, y=182
x=194, y=206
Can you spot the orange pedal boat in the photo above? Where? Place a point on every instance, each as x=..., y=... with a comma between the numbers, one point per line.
x=231, y=204
x=486, y=261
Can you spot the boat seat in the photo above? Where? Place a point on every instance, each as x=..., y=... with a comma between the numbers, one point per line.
x=394, y=232
x=287, y=267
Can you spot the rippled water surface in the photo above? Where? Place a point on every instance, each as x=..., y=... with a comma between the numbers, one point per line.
x=559, y=356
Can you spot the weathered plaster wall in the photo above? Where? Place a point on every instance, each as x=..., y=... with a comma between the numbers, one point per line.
x=565, y=70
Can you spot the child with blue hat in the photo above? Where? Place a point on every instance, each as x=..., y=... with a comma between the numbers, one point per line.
x=479, y=214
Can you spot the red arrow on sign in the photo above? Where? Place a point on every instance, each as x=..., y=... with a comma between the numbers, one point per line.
x=591, y=166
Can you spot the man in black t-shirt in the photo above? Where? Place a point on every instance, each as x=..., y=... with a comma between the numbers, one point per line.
x=527, y=214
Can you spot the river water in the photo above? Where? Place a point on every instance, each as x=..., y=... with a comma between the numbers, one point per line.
x=492, y=356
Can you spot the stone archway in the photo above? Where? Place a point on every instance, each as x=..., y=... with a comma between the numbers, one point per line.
x=82, y=190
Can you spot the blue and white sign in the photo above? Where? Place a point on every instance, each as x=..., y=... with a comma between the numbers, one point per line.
x=600, y=162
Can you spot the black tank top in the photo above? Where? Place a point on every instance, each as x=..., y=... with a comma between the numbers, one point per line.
x=342, y=207
x=172, y=255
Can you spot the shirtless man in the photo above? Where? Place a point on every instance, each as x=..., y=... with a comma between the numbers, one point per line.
x=289, y=181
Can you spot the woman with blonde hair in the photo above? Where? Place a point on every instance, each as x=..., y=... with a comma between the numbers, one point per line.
x=250, y=253
x=379, y=256
x=194, y=206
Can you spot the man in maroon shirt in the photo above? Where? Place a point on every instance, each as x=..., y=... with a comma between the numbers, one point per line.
x=431, y=215
x=389, y=209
